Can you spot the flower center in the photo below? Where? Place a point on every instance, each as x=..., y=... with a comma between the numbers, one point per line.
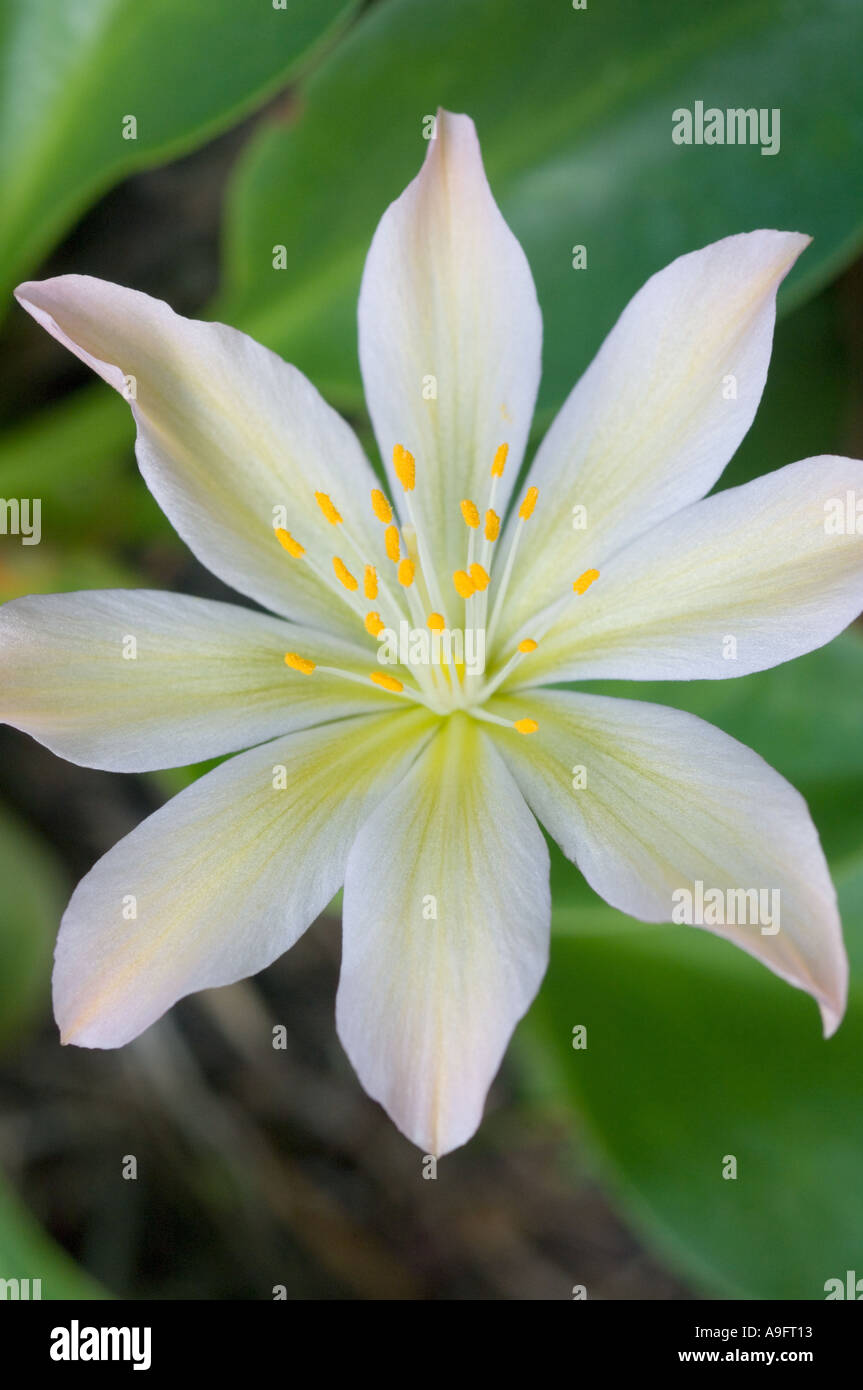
x=443, y=666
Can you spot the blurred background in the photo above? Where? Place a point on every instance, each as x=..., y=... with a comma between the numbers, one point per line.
x=261, y=125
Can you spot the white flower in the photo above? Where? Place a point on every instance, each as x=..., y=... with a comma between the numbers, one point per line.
x=421, y=798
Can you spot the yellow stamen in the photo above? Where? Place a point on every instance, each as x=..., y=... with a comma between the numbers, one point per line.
x=499, y=461
x=344, y=574
x=525, y=511
x=370, y=582
x=299, y=663
x=325, y=503
x=479, y=576
x=291, y=546
x=470, y=513
x=492, y=525
x=409, y=536
x=386, y=682
x=391, y=543
x=381, y=507
x=436, y=622
x=405, y=467
x=526, y=726
x=464, y=585
x=582, y=584
x=405, y=573
x=374, y=624
x=528, y=645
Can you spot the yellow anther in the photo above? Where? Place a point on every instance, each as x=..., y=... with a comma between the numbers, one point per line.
x=583, y=583
x=325, y=503
x=405, y=573
x=299, y=663
x=464, y=585
x=291, y=546
x=386, y=682
x=436, y=621
x=528, y=645
x=370, y=582
x=499, y=461
x=526, y=726
x=405, y=467
x=479, y=576
x=391, y=543
x=374, y=624
x=492, y=525
x=470, y=513
x=344, y=574
x=525, y=511
x=381, y=507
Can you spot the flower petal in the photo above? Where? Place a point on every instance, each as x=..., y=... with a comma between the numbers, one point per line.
x=448, y=304
x=654, y=420
x=228, y=433
x=446, y=913
x=225, y=877
x=669, y=801
x=738, y=582
x=131, y=680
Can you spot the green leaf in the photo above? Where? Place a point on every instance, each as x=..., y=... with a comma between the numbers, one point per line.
x=809, y=396
x=574, y=111
x=76, y=457
x=26, y=1252
x=48, y=570
x=695, y=1054
x=304, y=186
x=30, y=908
x=73, y=72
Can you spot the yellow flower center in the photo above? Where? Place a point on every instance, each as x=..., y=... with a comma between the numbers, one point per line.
x=450, y=678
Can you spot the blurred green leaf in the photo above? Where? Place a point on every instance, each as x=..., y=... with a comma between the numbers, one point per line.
x=30, y=908
x=26, y=1252
x=574, y=111
x=170, y=781
x=46, y=570
x=808, y=398
x=555, y=141
x=696, y=1052
x=70, y=452
x=73, y=72
x=76, y=457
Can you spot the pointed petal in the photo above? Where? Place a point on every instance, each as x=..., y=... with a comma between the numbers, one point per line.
x=658, y=414
x=132, y=680
x=224, y=878
x=446, y=913
x=227, y=434
x=448, y=301
x=738, y=582
x=669, y=802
